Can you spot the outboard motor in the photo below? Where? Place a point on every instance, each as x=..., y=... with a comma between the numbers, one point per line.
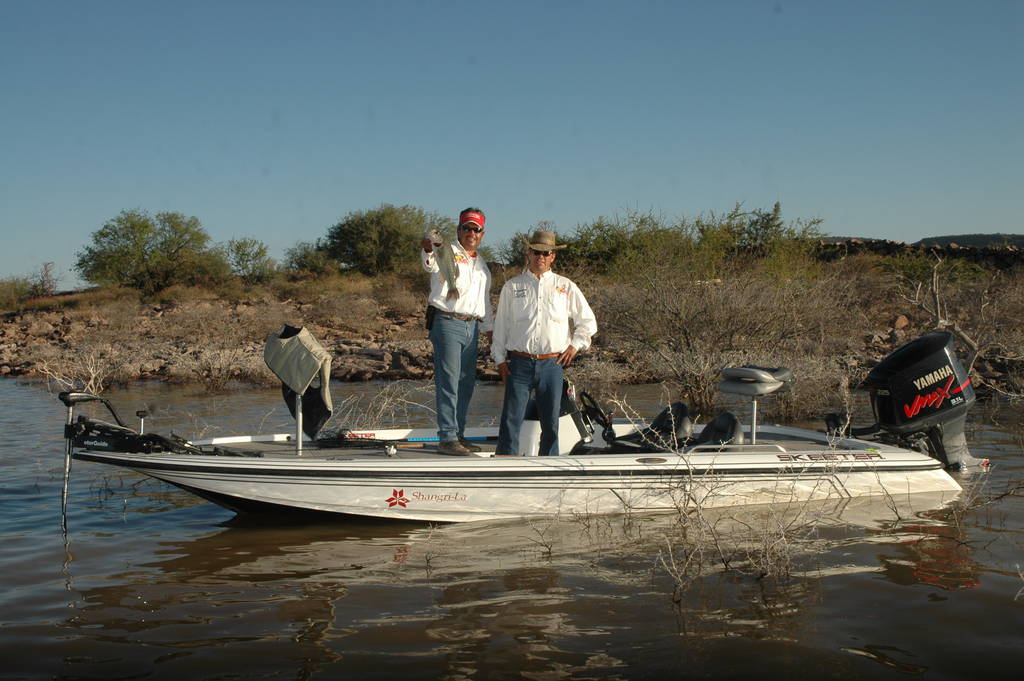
x=922, y=390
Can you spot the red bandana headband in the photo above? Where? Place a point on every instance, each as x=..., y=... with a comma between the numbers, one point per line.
x=471, y=216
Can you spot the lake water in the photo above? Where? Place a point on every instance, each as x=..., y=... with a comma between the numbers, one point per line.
x=149, y=582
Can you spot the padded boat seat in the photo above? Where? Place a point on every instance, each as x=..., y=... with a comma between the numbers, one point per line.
x=724, y=429
x=754, y=381
x=673, y=423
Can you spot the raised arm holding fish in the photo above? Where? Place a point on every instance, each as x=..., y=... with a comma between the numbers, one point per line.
x=444, y=255
x=458, y=307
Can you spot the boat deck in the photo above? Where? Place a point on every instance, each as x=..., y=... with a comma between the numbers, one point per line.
x=767, y=441
x=312, y=451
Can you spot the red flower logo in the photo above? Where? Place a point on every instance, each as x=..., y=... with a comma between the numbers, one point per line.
x=397, y=498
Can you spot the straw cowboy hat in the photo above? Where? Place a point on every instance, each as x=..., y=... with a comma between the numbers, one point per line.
x=543, y=241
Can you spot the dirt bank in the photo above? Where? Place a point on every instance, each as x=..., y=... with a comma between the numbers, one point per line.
x=213, y=342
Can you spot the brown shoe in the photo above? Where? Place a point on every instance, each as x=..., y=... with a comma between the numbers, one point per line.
x=453, y=447
x=469, y=445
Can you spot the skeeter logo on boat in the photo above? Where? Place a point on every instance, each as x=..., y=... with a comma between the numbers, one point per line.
x=831, y=456
x=399, y=498
x=357, y=436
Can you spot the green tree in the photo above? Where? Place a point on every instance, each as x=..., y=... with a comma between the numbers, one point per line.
x=150, y=253
x=513, y=251
x=383, y=239
x=249, y=260
x=309, y=256
x=759, y=237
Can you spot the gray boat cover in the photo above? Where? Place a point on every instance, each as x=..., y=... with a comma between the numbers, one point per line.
x=298, y=359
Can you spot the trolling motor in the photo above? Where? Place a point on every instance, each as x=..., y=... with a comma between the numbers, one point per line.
x=73, y=433
x=70, y=399
x=90, y=433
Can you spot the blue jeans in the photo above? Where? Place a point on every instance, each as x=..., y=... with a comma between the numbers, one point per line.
x=455, y=350
x=544, y=378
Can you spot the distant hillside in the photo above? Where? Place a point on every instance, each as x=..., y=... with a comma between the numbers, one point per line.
x=976, y=240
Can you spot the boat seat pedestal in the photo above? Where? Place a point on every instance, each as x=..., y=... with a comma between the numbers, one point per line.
x=754, y=382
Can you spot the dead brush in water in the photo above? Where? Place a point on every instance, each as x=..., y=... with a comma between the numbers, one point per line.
x=105, y=352
x=682, y=330
x=397, y=404
x=91, y=367
x=775, y=542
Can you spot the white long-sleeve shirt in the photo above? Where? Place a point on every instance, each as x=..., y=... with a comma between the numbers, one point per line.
x=474, y=286
x=534, y=313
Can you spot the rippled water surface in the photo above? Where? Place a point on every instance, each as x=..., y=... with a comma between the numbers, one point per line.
x=149, y=582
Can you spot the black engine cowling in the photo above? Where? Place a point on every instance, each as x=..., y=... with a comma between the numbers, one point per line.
x=922, y=388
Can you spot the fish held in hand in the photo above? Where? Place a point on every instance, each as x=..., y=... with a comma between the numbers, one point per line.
x=445, y=262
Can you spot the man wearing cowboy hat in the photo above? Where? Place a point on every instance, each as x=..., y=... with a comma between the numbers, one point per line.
x=456, y=318
x=533, y=342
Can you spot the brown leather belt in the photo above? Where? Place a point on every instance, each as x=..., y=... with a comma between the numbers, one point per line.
x=463, y=317
x=529, y=356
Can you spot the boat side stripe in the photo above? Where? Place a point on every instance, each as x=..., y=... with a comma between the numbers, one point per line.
x=787, y=470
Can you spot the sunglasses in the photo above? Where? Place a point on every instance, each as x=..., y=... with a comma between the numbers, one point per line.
x=467, y=228
x=541, y=253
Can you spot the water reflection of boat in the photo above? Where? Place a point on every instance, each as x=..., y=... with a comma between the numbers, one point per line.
x=920, y=394
x=466, y=597
x=388, y=552
x=933, y=554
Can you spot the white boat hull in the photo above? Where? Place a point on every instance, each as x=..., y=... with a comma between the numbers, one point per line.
x=455, y=489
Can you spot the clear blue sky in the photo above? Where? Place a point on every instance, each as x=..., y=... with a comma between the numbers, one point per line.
x=886, y=118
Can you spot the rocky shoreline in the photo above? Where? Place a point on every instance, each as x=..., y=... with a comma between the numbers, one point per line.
x=213, y=343
x=37, y=344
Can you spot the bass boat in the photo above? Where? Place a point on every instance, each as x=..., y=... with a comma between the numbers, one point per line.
x=920, y=395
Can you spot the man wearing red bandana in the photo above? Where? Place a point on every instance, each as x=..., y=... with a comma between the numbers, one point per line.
x=458, y=315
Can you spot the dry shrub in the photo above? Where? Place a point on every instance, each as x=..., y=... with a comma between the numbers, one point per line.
x=821, y=384
x=685, y=331
x=762, y=541
x=341, y=302
x=992, y=315
x=215, y=368
x=308, y=289
x=354, y=314
x=109, y=319
x=398, y=404
x=212, y=344
x=203, y=323
x=180, y=294
x=105, y=351
x=401, y=296
x=982, y=311
x=598, y=376
x=1001, y=314
x=237, y=290
x=862, y=291
x=90, y=367
x=260, y=320
x=85, y=299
